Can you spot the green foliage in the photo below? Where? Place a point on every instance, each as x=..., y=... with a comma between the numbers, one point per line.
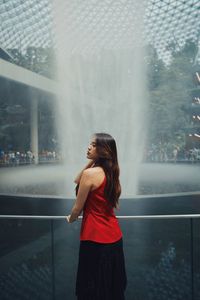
x=39, y=60
x=169, y=92
x=171, y=89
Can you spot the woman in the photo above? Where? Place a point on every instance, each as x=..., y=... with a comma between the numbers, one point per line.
x=101, y=270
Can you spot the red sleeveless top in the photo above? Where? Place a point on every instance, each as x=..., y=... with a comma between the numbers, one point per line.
x=99, y=223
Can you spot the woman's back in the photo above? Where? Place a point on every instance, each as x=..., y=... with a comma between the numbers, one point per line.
x=98, y=176
x=99, y=221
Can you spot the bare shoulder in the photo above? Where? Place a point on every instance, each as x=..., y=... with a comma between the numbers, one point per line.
x=87, y=173
x=91, y=171
x=93, y=176
x=86, y=178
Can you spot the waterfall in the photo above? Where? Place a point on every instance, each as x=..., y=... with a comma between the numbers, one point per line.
x=101, y=72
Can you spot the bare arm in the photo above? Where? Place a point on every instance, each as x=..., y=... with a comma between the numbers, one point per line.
x=84, y=188
x=78, y=177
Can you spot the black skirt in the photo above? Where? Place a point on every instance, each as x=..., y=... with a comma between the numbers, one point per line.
x=101, y=271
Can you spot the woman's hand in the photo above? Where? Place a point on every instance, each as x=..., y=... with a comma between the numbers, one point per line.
x=68, y=218
x=71, y=218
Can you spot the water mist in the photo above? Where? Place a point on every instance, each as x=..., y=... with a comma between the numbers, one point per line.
x=100, y=69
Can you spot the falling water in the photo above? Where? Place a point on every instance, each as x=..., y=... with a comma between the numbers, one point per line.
x=100, y=68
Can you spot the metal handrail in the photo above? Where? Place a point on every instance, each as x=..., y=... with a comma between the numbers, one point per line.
x=118, y=217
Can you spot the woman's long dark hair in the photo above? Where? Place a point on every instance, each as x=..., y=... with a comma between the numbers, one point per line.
x=107, y=159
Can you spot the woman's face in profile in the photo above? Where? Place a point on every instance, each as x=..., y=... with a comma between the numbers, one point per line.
x=92, y=152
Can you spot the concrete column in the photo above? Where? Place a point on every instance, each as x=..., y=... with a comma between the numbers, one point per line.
x=34, y=126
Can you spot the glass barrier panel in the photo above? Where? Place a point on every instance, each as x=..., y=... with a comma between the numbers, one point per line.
x=25, y=259
x=66, y=249
x=157, y=259
x=196, y=260
x=157, y=253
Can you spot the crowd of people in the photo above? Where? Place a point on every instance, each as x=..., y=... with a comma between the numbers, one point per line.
x=15, y=158
x=166, y=153
x=155, y=153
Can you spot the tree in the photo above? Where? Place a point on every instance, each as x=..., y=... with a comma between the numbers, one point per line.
x=39, y=60
x=170, y=89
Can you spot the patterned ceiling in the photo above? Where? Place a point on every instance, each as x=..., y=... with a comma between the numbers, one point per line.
x=90, y=25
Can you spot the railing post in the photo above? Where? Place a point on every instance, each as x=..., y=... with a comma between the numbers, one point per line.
x=53, y=260
x=192, y=258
